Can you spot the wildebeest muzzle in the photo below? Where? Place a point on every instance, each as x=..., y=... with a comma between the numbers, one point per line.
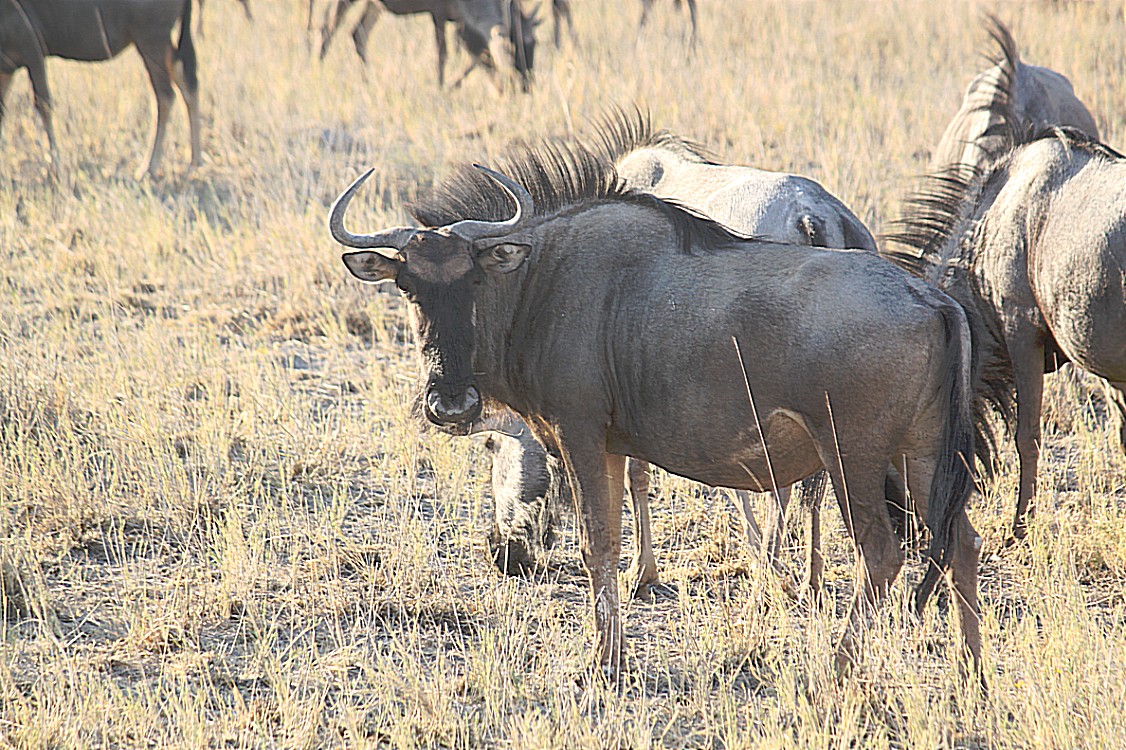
x=448, y=408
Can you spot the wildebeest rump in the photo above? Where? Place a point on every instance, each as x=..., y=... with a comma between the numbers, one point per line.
x=767, y=205
x=617, y=324
x=1035, y=250
x=94, y=30
x=1037, y=98
x=498, y=31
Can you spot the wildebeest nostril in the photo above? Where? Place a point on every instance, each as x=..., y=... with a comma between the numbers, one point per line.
x=443, y=409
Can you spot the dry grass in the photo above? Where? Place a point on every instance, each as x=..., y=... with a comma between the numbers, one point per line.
x=222, y=528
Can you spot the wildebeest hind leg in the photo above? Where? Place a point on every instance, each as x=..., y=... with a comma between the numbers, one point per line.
x=964, y=573
x=159, y=67
x=5, y=82
x=363, y=29
x=190, y=92
x=643, y=569
x=880, y=556
x=37, y=71
x=1116, y=410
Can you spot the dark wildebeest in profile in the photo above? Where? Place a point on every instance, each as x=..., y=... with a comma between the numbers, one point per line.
x=772, y=206
x=1035, y=250
x=1038, y=98
x=495, y=32
x=94, y=30
x=617, y=324
x=647, y=8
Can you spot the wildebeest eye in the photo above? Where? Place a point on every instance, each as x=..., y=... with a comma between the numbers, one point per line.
x=405, y=286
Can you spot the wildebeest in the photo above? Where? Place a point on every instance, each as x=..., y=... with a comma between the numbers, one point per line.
x=647, y=8
x=1035, y=250
x=560, y=14
x=617, y=324
x=772, y=206
x=94, y=30
x=1038, y=98
x=498, y=32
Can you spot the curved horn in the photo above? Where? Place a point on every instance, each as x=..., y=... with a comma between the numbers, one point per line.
x=471, y=229
x=395, y=238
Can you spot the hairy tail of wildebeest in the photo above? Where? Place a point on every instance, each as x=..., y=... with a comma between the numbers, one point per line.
x=953, y=481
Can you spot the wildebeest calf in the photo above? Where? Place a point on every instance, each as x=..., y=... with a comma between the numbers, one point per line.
x=94, y=30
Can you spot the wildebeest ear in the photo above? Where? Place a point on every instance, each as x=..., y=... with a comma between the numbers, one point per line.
x=367, y=265
x=503, y=257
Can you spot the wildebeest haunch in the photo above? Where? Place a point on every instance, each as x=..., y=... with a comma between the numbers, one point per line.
x=767, y=205
x=1036, y=98
x=94, y=30
x=617, y=324
x=1035, y=250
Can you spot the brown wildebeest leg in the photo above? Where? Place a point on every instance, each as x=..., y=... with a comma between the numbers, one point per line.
x=158, y=63
x=860, y=494
x=1027, y=354
x=692, y=16
x=561, y=12
x=190, y=92
x=1116, y=410
x=598, y=480
x=643, y=568
x=334, y=17
x=363, y=29
x=37, y=71
x=815, y=561
x=5, y=82
x=963, y=570
x=440, y=40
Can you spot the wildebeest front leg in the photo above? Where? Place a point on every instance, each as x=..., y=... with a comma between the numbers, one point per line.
x=643, y=569
x=598, y=480
x=1027, y=355
x=190, y=91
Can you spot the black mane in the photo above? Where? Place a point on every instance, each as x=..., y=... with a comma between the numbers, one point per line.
x=619, y=132
x=560, y=177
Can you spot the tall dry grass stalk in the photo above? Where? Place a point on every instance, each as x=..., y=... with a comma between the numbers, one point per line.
x=223, y=528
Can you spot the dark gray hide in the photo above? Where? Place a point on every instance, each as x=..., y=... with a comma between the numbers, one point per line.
x=619, y=325
x=95, y=30
x=767, y=205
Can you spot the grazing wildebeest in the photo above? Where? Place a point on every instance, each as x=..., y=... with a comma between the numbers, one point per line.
x=617, y=324
x=647, y=8
x=771, y=206
x=1035, y=250
x=1039, y=98
x=496, y=30
x=94, y=30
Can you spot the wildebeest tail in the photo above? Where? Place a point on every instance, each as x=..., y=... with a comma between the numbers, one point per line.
x=953, y=481
x=185, y=50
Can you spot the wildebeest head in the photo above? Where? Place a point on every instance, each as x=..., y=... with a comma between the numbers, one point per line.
x=437, y=270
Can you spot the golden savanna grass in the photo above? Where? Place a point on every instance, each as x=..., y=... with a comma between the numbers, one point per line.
x=223, y=528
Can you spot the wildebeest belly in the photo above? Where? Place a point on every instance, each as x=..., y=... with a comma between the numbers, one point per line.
x=729, y=453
